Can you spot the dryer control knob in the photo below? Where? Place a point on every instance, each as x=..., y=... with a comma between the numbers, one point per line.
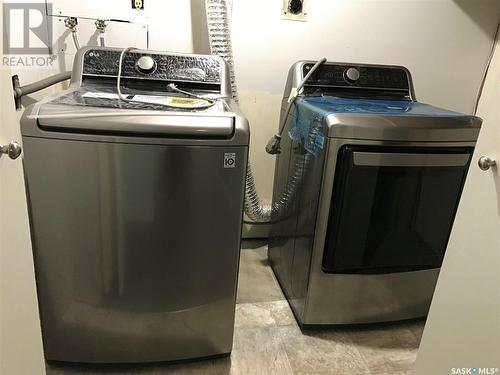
x=351, y=75
x=146, y=64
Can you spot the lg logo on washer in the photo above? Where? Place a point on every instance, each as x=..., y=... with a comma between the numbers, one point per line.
x=229, y=160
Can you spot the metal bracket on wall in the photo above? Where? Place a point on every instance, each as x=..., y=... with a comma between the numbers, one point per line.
x=20, y=91
x=15, y=86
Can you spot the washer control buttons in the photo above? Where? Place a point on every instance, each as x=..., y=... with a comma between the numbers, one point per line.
x=146, y=64
x=351, y=75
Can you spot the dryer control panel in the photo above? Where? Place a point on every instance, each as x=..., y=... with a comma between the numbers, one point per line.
x=361, y=78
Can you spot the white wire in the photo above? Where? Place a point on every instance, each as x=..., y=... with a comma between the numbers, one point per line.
x=310, y=73
x=118, y=79
x=211, y=99
x=297, y=92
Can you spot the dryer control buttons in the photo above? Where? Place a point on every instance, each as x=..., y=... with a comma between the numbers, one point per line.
x=351, y=75
x=146, y=64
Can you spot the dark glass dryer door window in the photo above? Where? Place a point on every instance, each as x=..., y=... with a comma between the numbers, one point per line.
x=392, y=209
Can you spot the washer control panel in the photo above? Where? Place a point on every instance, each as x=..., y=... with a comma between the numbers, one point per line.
x=358, y=76
x=153, y=66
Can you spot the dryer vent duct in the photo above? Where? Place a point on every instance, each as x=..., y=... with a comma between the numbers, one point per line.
x=219, y=34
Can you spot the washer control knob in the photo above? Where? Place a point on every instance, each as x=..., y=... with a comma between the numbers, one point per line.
x=146, y=64
x=351, y=75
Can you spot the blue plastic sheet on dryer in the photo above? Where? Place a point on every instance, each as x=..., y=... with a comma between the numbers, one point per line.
x=309, y=128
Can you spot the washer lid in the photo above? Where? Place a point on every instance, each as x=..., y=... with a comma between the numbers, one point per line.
x=135, y=118
x=388, y=120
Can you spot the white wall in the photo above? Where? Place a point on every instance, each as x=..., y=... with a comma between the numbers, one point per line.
x=163, y=25
x=444, y=43
x=463, y=327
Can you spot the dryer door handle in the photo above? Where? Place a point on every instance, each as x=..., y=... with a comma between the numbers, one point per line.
x=377, y=159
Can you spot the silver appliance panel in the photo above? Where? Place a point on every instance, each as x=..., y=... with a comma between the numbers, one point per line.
x=403, y=128
x=136, y=248
x=409, y=160
x=140, y=122
x=59, y=121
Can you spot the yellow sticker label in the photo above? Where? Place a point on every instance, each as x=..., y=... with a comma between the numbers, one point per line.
x=174, y=101
x=187, y=102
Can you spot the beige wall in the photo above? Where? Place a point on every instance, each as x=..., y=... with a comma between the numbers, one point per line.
x=444, y=43
x=463, y=327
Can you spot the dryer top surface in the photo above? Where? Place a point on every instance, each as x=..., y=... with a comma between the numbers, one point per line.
x=326, y=105
x=375, y=119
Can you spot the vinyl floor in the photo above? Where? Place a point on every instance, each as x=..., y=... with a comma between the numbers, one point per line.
x=267, y=339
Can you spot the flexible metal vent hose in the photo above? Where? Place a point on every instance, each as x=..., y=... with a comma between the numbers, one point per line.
x=219, y=33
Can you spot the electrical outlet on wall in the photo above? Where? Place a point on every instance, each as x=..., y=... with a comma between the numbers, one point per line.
x=294, y=10
x=137, y=4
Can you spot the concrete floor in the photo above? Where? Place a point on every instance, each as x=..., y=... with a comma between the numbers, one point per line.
x=267, y=339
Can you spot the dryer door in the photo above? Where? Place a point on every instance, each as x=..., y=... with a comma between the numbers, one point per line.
x=392, y=208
